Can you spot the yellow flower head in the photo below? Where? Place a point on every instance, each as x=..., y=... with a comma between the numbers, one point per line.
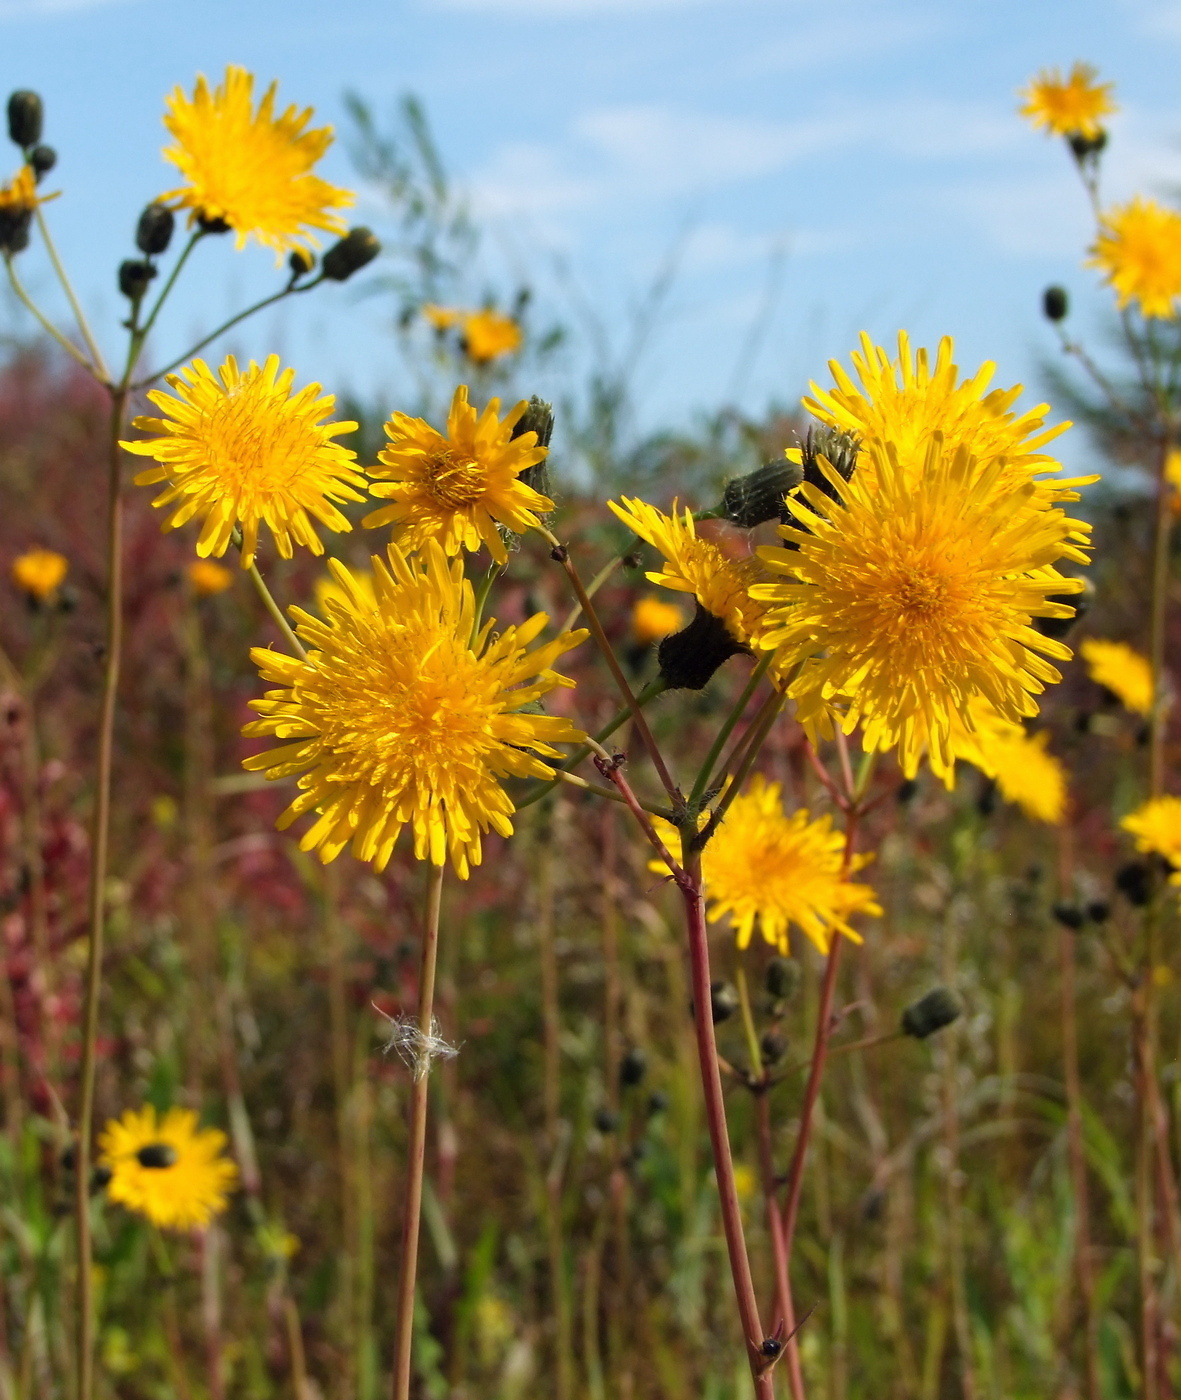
x=251, y=169
x=762, y=866
x=1123, y=671
x=169, y=1170
x=1157, y=828
x=241, y=449
x=457, y=489
x=39, y=572
x=908, y=601
x=400, y=716
x=1070, y=106
x=1024, y=772
x=652, y=619
x=907, y=400
x=1138, y=250
x=207, y=578
x=487, y=335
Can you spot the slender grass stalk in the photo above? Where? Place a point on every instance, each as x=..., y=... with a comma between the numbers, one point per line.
x=276, y=612
x=416, y=1141
x=44, y=322
x=723, y=735
x=341, y=1084
x=92, y=346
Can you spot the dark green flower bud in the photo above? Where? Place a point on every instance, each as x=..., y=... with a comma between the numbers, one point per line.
x=689, y=658
x=1069, y=916
x=906, y=791
x=1099, y=911
x=153, y=233
x=1087, y=148
x=1135, y=881
x=350, y=254
x=15, y=222
x=159, y=1155
x=100, y=1178
x=931, y=1013
x=25, y=118
x=1055, y=303
x=782, y=978
x=839, y=449
x=634, y=1065
x=657, y=1103
x=606, y=1121
x=723, y=1001
x=772, y=1047
x=42, y=159
x=300, y=262
x=538, y=418
x=751, y=499
x=135, y=275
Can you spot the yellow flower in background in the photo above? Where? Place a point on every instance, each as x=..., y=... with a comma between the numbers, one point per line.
x=240, y=449
x=1019, y=763
x=1157, y=828
x=907, y=602
x=905, y=401
x=169, y=1170
x=652, y=619
x=251, y=169
x=457, y=489
x=400, y=717
x=1123, y=671
x=207, y=578
x=488, y=335
x=441, y=317
x=19, y=196
x=764, y=868
x=1138, y=250
x=1173, y=477
x=39, y=572
x=1070, y=106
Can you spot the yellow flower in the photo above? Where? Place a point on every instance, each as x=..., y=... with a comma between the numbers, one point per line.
x=487, y=335
x=207, y=578
x=1139, y=252
x=400, y=716
x=457, y=489
x=251, y=169
x=763, y=867
x=907, y=400
x=1173, y=477
x=1123, y=671
x=441, y=317
x=911, y=599
x=1157, y=828
x=1018, y=762
x=39, y=572
x=241, y=449
x=327, y=589
x=1070, y=106
x=652, y=618
x=171, y=1171
x=18, y=202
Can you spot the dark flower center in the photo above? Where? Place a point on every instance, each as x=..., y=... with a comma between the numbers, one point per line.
x=156, y=1154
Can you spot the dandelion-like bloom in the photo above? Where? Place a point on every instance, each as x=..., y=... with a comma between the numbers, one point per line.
x=39, y=572
x=207, y=578
x=1019, y=763
x=400, y=716
x=169, y=1170
x=907, y=602
x=457, y=489
x=1156, y=825
x=18, y=202
x=251, y=170
x=907, y=400
x=489, y=335
x=764, y=867
x=1122, y=670
x=1070, y=106
x=240, y=450
x=653, y=618
x=1138, y=250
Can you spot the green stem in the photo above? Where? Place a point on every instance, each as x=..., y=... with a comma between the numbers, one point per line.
x=46, y=325
x=144, y=331
x=91, y=344
x=748, y=1022
x=482, y=597
x=276, y=612
x=760, y=727
x=727, y=728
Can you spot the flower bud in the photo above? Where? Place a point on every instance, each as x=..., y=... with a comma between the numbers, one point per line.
x=606, y=1121
x=772, y=1047
x=657, y=1103
x=1098, y=911
x=15, y=222
x=931, y=1013
x=634, y=1065
x=839, y=449
x=1069, y=916
x=1135, y=881
x=300, y=262
x=159, y=1155
x=349, y=254
x=135, y=275
x=758, y=496
x=723, y=1001
x=1055, y=303
x=42, y=159
x=782, y=978
x=153, y=233
x=25, y=117
x=538, y=418
x=690, y=657
x=1087, y=148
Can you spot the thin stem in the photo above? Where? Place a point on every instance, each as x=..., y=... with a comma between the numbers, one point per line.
x=754, y=739
x=276, y=612
x=416, y=1141
x=146, y=328
x=748, y=1023
x=612, y=768
x=46, y=325
x=723, y=735
x=612, y=796
x=591, y=589
x=75, y=306
x=775, y=1230
x=482, y=592
x=1159, y=616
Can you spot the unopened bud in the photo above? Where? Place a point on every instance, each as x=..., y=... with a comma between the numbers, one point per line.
x=606, y=1121
x=749, y=500
x=689, y=658
x=634, y=1065
x=100, y=1178
x=772, y=1047
x=158, y=1155
x=1087, y=148
x=1070, y=916
x=25, y=118
x=1055, y=303
x=723, y=1001
x=538, y=418
x=153, y=233
x=1098, y=911
x=657, y=1102
x=1134, y=881
x=931, y=1013
x=782, y=978
x=42, y=159
x=15, y=222
x=300, y=262
x=135, y=275
x=350, y=254
x=839, y=449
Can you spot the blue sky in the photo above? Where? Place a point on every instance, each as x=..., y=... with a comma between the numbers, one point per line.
x=871, y=148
